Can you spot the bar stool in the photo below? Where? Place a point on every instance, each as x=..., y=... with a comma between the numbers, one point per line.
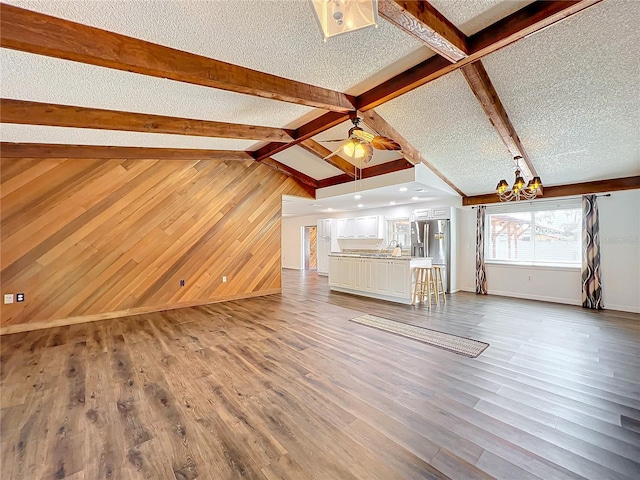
x=439, y=286
x=425, y=286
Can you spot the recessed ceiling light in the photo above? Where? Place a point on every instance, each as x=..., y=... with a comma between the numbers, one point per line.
x=316, y=205
x=403, y=189
x=360, y=205
x=329, y=209
x=357, y=197
x=392, y=203
x=415, y=198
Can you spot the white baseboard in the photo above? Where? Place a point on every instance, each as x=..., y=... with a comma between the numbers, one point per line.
x=621, y=308
x=607, y=306
x=541, y=298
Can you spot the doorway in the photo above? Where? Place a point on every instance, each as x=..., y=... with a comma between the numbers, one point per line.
x=310, y=248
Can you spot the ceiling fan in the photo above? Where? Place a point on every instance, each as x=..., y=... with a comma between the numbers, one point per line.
x=359, y=144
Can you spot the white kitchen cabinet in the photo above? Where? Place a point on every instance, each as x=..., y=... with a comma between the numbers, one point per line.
x=327, y=227
x=362, y=274
x=361, y=227
x=335, y=271
x=368, y=227
x=345, y=272
x=323, y=251
x=324, y=228
x=346, y=228
x=399, y=278
x=433, y=213
x=341, y=227
x=342, y=271
x=381, y=276
x=385, y=278
x=352, y=228
x=392, y=277
x=366, y=275
x=323, y=244
x=440, y=213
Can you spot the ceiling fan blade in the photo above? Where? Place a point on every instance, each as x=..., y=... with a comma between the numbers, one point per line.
x=335, y=152
x=385, y=143
x=368, y=153
x=361, y=134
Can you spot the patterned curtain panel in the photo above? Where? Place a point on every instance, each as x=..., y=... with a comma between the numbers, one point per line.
x=591, y=285
x=481, y=274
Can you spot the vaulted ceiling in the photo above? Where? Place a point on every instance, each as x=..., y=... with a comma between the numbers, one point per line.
x=463, y=85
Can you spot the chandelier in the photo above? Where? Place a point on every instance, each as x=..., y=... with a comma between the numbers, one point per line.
x=519, y=191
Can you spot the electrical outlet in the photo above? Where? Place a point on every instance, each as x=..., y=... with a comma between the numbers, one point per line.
x=19, y=297
x=530, y=278
x=182, y=283
x=224, y=279
x=8, y=298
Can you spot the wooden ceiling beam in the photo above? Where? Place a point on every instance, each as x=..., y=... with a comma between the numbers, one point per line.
x=337, y=180
x=308, y=130
x=483, y=89
x=35, y=113
x=526, y=21
x=369, y=172
x=49, y=150
x=325, y=154
x=569, y=190
x=422, y=21
x=42, y=34
x=380, y=126
x=292, y=172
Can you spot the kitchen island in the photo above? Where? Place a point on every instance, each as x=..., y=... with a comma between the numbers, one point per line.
x=375, y=275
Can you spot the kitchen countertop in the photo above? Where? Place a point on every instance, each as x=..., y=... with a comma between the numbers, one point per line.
x=382, y=256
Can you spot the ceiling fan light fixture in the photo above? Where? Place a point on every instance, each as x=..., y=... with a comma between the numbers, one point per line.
x=354, y=149
x=349, y=148
x=336, y=17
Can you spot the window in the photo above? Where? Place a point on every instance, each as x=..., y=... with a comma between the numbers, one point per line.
x=399, y=232
x=538, y=237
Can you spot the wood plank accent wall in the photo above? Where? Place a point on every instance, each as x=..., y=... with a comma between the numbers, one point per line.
x=85, y=239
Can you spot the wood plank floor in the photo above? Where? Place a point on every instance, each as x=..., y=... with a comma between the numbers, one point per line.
x=286, y=387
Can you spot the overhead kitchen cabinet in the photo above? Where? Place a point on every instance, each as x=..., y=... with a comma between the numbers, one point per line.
x=361, y=227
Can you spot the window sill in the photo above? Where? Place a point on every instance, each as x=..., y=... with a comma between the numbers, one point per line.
x=535, y=266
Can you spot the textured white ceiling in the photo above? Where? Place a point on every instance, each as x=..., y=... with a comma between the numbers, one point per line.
x=26, y=76
x=445, y=122
x=87, y=136
x=307, y=163
x=277, y=37
x=471, y=16
x=572, y=94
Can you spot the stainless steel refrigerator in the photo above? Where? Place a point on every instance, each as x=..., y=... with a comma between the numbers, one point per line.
x=431, y=238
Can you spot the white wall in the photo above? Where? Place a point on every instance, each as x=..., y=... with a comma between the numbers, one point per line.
x=620, y=261
x=292, y=240
x=620, y=250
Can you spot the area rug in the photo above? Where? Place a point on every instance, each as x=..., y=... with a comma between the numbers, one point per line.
x=453, y=343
